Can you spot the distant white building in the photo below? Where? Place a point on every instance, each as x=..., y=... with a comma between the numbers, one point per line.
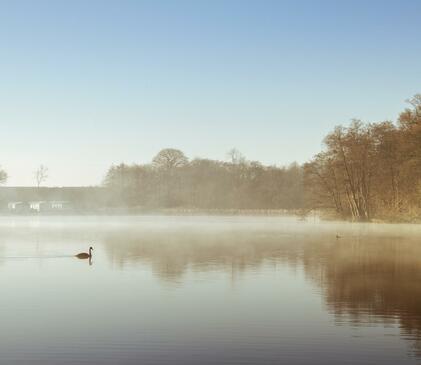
x=14, y=205
x=17, y=207
x=59, y=205
x=38, y=205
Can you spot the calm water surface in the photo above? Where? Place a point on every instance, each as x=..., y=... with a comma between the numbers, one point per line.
x=208, y=290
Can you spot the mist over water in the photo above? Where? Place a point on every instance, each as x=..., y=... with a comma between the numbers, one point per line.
x=189, y=290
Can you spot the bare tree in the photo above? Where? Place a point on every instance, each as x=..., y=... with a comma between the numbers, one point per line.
x=170, y=158
x=236, y=156
x=41, y=175
x=3, y=176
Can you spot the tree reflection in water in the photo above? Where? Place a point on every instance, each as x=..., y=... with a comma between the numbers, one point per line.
x=364, y=280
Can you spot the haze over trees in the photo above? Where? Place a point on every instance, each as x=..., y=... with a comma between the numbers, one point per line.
x=171, y=180
x=365, y=171
x=370, y=170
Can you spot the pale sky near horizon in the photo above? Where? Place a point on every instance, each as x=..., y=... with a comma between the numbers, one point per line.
x=85, y=84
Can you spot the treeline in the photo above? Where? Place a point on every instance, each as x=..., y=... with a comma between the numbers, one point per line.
x=366, y=171
x=369, y=170
x=172, y=181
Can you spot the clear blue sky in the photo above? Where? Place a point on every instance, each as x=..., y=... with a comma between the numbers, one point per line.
x=84, y=84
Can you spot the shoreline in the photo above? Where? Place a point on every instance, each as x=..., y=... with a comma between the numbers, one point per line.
x=320, y=215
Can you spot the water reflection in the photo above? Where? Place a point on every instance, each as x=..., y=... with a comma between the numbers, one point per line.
x=227, y=290
x=369, y=281
x=365, y=279
x=171, y=254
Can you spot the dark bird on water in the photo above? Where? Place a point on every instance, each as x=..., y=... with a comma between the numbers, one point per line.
x=84, y=255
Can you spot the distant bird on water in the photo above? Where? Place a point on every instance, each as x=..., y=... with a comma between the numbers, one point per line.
x=337, y=236
x=84, y=255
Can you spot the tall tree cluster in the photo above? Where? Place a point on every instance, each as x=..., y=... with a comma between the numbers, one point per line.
x=370, y=170
x=171, y=180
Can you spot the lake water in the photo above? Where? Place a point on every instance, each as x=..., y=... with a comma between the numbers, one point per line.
x=208, y=290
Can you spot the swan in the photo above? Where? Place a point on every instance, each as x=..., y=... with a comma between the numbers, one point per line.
x=84, y=255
